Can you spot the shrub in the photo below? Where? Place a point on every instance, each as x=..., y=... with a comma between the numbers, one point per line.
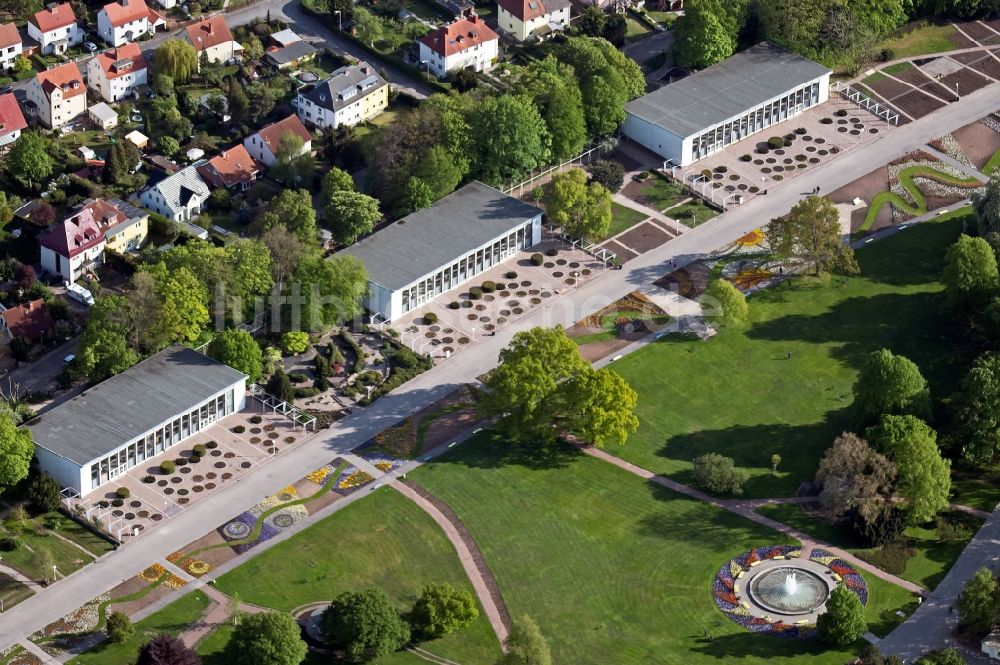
x=256, y=420
x=430, y=317
x=510, y=275
x=500, y=286
x=103, y=504
x=454, y=304
x=842, y=113
x=537, y=259
x=118, y=503
x=826, y=121
x=886, y=54
x=891, y=557
x=123, y=493
x=44, y=493
x=489, y=287
x=119, y=628
x=719, y=474
x=194, y=459
x=308, y=391
x=775, y=142
x=167, y=467
x=9, y=544
x=298, y=377
x=199, y=450
x=212, y=445
x=706, y=173
x=951, y=529
x=788, y=141
x=321, y=384
x=239, y=429
x=148, y=479
x=721, y=169
x=746, y=158
x=475, y=293
x=181, y=461
x=800, y=131
x=762, y=149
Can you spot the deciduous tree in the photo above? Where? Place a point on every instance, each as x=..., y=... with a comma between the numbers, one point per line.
x=293, y=210
x=177, y=59
x=350, y=215
x=104, y=352
x=442, y=609
x=330, y=292
x=29, y=159
x=526, y=645
x=978, y=603
x=292, y=165
x=811, y=231
x=418, y=195
x=890, y=384
x=16, y=451
x=336, y=180
x=268, y=638
x=970, y=274
x=843, y=621
x=949, y=656
x=365, y=625
x=701, y=39
x=238, y=349
x=609, y=173
x=977, y=417
x=166, y=650
x=724, y=304
x=511, y=136
x=583, y=209
x=854, y=477
x=119, y=628
x=718, y=474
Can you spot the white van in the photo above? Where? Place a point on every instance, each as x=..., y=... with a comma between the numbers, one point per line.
x=80, y=294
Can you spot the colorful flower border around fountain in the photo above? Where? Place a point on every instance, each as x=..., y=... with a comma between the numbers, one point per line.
x=730, y=604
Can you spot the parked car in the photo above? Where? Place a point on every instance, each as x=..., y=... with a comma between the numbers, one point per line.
x=5, y=89
x=90, y=46
x=80, y=294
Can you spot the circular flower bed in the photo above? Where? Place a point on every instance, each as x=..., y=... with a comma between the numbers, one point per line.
x=283, y=521
x=236, y=530
x=733, y=606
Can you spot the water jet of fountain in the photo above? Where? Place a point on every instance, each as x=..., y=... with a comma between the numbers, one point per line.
x=791, y=584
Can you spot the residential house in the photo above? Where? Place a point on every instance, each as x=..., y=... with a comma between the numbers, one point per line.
x=291, y=56
x=55, y=28
x=212, y=39
x=125, y=227
x=532, y=19
x=72, y=247
x=30, y=321
x=11, y=45
x=233, y=169
x=11, y=120
x=122, y=22
x=464, y=43
x=990, y=645
x=116, y=73
x=57, y=96
x=167, y=4
x=263, y=144
x=178, y=197
x=351, y=95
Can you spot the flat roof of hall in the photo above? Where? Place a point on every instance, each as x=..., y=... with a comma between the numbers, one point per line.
x=432, y=238
x=117, y=410
x=726, y=89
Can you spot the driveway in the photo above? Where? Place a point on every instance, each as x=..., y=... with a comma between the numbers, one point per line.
x=650, y=46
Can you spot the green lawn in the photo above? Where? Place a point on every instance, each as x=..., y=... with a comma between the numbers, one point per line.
x=80, y=535
x=383, y=541
x=927, y=567
x=929, y=39
x=613, y=568
x=663, y=18
x=622, y=218
x=12, y=592
x=693, y=213
x=610, y=328
x=992, y=164
x=660, y=194
x=635, y=29
x=976, y=488
x=740, y=395
x=919, y=205
x=899, y=67
x=25, y=559
x=172, y=619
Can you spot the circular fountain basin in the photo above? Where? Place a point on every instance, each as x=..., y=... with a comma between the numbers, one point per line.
x=788, y=590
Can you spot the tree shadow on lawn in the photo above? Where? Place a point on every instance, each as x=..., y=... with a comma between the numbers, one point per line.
x=491, y=449
x=751, y=446
x=736, y=646
x=910, y=257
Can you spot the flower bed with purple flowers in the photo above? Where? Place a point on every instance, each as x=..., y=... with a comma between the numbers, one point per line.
x=351, y=480
x=384, y=463
x=240, y=528
x=848, y=573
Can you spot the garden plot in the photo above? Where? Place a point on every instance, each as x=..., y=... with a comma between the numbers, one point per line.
x=866, y=188
x=981, y=61
x=916, y=104
x=964, y=81
x=976, y=31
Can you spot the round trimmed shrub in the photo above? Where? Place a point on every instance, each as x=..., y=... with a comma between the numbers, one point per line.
x=489, y=287
x=103, y=504
x=211, y=445
x=762, y=149
x=510, y=275
x=454, y=304
x=181, y=461
x=800, y=131
x=746, y=158
x=721, y=169
x=167, y=467
x=826, y=121
x=199, y=450
x=148, y=479
x=123, y=493
x=706, y=173
x=552, y=251
x=256, y=420
x=430, y=317
x=775, y=142
x=475, y=293
x=842, y=113
x=118, y=503
x=500, y=286
x=239, y=429
x=537, y=259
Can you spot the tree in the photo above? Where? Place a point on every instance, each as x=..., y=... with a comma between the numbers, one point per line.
x=949, y=656
x=924, y=477
x=29, y=159
x=21, y=65
x=977, y=417
x=987, y=208
x=293, y=165
x=418, y=194
x=616, y=30
x=252, y=48
x=775, y=461
x=351, y=215
x=583, y=209
x=177, y=59
x=238, y=349
x=700, y=37
x=365, y=625
x=512, y=138
x=295, y=342
x=970, y=274
x=16, y=451
x=42, y=561
x=890, y=384
x=609, y=173
x=811, y=231
x=121, y=160
x=119, y=628
x=168, y=145
x=591, y=21
x=330, y=292
x=607, y=80
x=441, y=610
x=978, y=603
x=293, y=210
x=166, y=650
x=44, y=493
x=268, y=638
x=718, y=474
x=183, y=302
x=7, y=206
x=440, y=171
x=724, y=304
x=854, y=478
x=526, y=645
x=600, y=407
x=104, y=352
x=844, y=619
x=336, y=180
x=286, y=250
x=280, y=387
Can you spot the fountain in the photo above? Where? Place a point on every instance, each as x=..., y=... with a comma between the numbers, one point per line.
x=788, y=590
x=791, y=584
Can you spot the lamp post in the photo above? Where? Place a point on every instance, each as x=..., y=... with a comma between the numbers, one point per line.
x=473, y=333
x=958, y=97
x=340, y=23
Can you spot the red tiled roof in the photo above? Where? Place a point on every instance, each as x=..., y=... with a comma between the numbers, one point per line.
x=53, y=18
x=209, y=32
x=230, y=168
x=65, y=77
x=464, y=33
x=271, y=135
x=11, y=118
x=130, y=52
x=9, y=36
x=28, y=320
x=103, y=212
x=74, y=235
x=130, y=10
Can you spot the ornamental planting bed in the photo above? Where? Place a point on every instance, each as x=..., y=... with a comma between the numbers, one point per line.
x=242, y=526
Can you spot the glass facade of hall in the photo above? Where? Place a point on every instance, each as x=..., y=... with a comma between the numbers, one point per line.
x=159, y=440
x=755, y=120
x=467, y=267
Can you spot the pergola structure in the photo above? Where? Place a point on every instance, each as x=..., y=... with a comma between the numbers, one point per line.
x=290, y=411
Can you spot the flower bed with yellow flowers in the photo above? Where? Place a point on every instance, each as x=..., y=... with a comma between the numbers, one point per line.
x=352, y=479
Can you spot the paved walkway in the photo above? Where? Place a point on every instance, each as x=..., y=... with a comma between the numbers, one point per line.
x=669, y=222
x=444, y=378
x=219, y=612
x=951, y=161
x=746, y=509
x=465, y=557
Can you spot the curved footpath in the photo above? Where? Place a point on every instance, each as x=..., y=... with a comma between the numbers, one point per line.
x=434, y=384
